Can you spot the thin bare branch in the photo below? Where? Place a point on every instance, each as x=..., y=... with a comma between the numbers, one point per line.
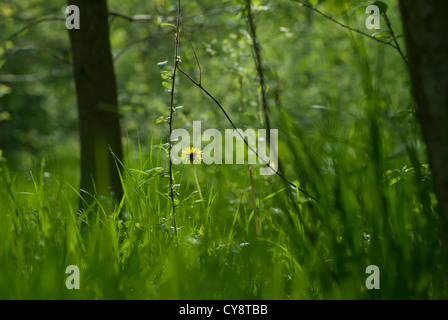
x=47, y=51
x=136, y=18
x=258, y=65
x=13, y=78
x=146, y=17
x=33, y=23
x=397, y=45
x=242, y=136
x=195, y=56
x=175, y=67
x=309, y=6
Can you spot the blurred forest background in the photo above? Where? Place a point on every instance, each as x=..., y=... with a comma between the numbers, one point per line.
x=348, y=134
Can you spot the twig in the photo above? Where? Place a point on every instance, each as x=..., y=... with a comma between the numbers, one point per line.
x=259, y=66
x=199, y=84
x=309, y=6
x=241, y=135
x=16, y=50
x=260, y=70
x=135, y=18
x=195, y=56
x=32, y=23
x=13, y=78
x=176, y=62
x=147, y=17
x=132, y=18
x=130, y=45
x=397, y=46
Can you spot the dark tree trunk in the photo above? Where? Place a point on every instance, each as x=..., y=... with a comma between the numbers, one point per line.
x=97, y=102
x=425, y=25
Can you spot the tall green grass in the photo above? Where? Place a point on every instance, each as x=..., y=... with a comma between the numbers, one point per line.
x=306, y=250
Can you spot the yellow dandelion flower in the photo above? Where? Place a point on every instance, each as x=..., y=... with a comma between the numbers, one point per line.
x=193, y=155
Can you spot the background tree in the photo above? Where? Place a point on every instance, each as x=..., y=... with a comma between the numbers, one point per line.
x=97, y=101
x=425, y=26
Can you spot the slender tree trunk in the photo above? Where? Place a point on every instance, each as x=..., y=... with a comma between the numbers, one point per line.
x=97, y=102
x=425, y=25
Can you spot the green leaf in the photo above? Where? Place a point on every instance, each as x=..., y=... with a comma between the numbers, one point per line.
x=159, y=120
x=381, y=5
x=312, y=2
x=381, y=34
x=166, y=75
x=360, y=9
x=189, y=196
x=162, y=64
x=168, y=25
x=166, y=85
